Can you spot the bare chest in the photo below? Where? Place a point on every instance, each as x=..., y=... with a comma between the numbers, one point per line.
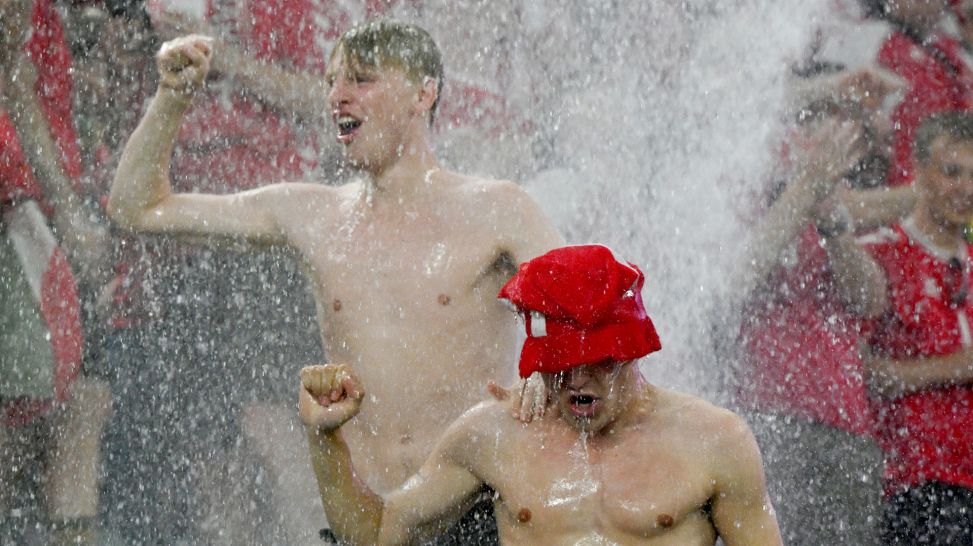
x=630, y=490
x=398, y=263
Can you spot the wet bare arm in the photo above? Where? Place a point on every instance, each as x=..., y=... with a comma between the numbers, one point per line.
x=860, y=281
x=892, y=378
x=354, y=511
x=141, y=197
x=871, y=209
x=832, y=150
x=528, y=234
x=427, y=503
x=741, y=509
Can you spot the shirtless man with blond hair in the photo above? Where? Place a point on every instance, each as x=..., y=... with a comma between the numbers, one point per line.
x=614, y=461
x=404, y=262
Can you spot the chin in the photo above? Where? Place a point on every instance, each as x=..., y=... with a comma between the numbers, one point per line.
x=959, y=219
x=587, y=425
x=354, y=160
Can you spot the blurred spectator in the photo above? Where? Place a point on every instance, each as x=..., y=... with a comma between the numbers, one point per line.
x=812, y=286
x=148, y=485
x=931, y=62
x=963, y=16
x=922, y=345
x=177, y=466
x=52, y=414
x=256, y=121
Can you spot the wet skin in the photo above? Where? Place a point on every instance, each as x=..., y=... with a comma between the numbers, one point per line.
x=649, y=466
x=405, y=263
x=392, y=268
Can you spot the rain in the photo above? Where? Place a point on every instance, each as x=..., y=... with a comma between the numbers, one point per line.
x=749, y=156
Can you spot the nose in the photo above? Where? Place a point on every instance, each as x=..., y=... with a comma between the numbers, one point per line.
x=578, y=377
x=338, y=94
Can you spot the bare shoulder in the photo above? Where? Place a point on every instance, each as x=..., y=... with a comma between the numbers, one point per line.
x=486, y=417
x=515, y=222
x=482, y=191
x=464, y=438
x=712, y=424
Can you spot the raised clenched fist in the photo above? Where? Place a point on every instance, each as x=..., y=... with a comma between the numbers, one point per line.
x=329, y=396
x=184, y=62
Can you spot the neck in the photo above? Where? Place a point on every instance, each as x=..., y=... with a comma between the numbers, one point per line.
x=410, y=172
x=945, y=235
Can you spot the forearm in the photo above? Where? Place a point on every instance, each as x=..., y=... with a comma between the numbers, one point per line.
x=142, y=178
x=354, y=511
x=892, y=378
x=291, y=92
x=871, y=209
x=858, y=279
x=782, y=224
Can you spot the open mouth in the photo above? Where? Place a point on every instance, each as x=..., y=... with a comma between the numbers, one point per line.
x=583, y=405
x=347, y=126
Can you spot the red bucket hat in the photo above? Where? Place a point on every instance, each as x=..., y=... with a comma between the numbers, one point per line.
x=581, y=306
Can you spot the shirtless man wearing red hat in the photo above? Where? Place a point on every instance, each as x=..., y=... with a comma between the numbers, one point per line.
x=615, y=460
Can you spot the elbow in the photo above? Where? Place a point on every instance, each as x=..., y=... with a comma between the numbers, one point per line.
x=866, y=298
x=129, y=213
x=113, y=210
x=864, y=303
x=881, y=390
x=881, y=385
x=118, y=214
x=873, y=305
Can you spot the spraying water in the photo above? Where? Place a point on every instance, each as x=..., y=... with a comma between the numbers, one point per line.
x=650, y=130
x=641, y=125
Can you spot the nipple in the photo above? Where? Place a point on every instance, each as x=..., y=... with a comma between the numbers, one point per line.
x=444, y=299
x=665, y=521
x=336, y=305
x=523, y=516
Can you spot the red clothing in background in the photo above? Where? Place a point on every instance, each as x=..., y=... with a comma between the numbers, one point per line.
x=51, y=58
x=802, y=346
x=928, y=435
x=59, y=305
x=938, y=80
x=230, y=141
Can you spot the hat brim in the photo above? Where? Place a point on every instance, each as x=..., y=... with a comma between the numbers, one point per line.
x=618, y=342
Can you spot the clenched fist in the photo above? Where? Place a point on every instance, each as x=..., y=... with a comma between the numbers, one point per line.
x=184, y=62
x=329, y=396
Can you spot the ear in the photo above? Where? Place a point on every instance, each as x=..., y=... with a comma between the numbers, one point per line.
x=428, y=93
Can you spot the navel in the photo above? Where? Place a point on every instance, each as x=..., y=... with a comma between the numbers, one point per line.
x=523, y=515
x=336, y=305
x=665, y=521
x=444, y=299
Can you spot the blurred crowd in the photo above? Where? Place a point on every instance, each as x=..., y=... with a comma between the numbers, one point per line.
x=854, y=349
x=855, y=352
x=112, y=419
